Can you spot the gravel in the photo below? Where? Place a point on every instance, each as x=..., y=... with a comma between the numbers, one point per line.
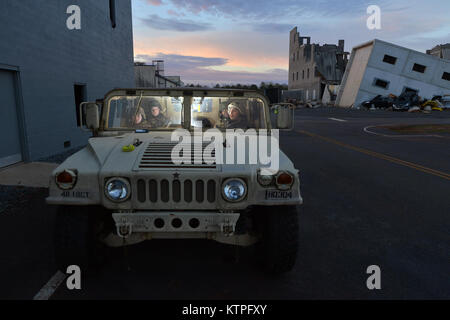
x=16, y=198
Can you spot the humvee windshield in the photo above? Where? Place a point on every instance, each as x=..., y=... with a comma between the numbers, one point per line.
x=165, y=112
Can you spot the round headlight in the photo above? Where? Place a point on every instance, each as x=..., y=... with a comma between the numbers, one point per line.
x=117, y=189
x=234, y=189
x=265, y=180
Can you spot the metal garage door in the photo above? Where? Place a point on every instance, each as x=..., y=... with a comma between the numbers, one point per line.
x=10, y=150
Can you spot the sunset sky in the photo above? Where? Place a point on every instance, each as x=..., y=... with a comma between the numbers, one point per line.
x=247, y=41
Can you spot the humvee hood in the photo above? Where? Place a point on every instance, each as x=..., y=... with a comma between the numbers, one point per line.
x=154, y=151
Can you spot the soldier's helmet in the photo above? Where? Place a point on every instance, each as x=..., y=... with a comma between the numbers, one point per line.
x=149, y=103
x=234, y=105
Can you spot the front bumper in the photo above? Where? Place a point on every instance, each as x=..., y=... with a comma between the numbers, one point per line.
x=175, y=222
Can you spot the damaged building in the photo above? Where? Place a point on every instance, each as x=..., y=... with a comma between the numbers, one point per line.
x=381, y=68
x=441, y=51
x=312, y=67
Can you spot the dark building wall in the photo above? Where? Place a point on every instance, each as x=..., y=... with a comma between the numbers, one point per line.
x=51, y=59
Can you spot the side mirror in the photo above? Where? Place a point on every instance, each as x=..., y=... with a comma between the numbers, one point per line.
x=282, y=116
x=89, y=113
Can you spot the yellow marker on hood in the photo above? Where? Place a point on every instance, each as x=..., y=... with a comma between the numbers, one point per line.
x=128, y=148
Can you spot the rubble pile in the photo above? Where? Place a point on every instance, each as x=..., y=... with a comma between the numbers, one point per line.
x=408, y=101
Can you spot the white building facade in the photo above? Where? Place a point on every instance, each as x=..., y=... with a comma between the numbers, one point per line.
x=381, y=68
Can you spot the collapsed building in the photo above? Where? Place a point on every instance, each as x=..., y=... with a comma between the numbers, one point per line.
x=441, y=51
x=381, y=68
x=312, y=67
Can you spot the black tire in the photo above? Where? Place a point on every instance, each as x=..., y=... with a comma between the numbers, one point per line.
x=279, y=230
x=76, y=237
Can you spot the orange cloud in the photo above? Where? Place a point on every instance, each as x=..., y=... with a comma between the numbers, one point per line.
x=155, y=2
x=204, y=47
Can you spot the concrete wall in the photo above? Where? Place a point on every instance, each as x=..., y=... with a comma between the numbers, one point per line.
x=52, y=58
x=400, y=75
x=353, y=76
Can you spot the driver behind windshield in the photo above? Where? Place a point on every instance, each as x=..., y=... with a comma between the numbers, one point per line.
x=156, y=119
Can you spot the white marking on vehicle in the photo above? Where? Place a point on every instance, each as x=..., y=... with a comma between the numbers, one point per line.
x=366, y=130
x=340, y=120
x=47, y=291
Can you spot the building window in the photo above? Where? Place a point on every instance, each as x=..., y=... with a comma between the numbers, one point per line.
x=303, y=74
x=307, y=73
x=446, y=76
x=80, y=95
x=389, y=59
x=381, y=83
x=419, y=68
x=293, y=76
x=297, y=76
x=112, y=12
x=407, y=90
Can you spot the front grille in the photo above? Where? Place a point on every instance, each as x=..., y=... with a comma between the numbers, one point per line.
x=186, y=191
x=159, y=155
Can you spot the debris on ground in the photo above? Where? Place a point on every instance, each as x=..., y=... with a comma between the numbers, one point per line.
x=408, y=101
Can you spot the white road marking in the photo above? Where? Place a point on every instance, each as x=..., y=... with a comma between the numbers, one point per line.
x=366, y=130
x=335, y=119
x=47, y=291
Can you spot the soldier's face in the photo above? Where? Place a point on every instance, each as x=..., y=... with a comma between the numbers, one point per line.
x=155, y=111
x=234, y=114
x=138, y=118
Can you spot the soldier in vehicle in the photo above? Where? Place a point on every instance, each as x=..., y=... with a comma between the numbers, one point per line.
x=156, y=119
x=223, y=117
x=237, y=119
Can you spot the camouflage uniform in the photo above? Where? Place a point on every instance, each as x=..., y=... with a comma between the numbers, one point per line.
x=157, y=122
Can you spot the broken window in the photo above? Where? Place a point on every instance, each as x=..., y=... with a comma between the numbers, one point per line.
x=446, y=76
x=419, y=68
x=389, y=59
x=381, y=83
x=407, y=90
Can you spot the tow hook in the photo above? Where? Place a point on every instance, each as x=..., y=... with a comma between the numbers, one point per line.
x=227, y=228
x=125, y=230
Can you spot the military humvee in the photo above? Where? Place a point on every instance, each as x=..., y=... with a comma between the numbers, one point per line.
x=124, y=187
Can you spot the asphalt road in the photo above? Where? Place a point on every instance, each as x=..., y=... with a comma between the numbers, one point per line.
x=369, y=199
